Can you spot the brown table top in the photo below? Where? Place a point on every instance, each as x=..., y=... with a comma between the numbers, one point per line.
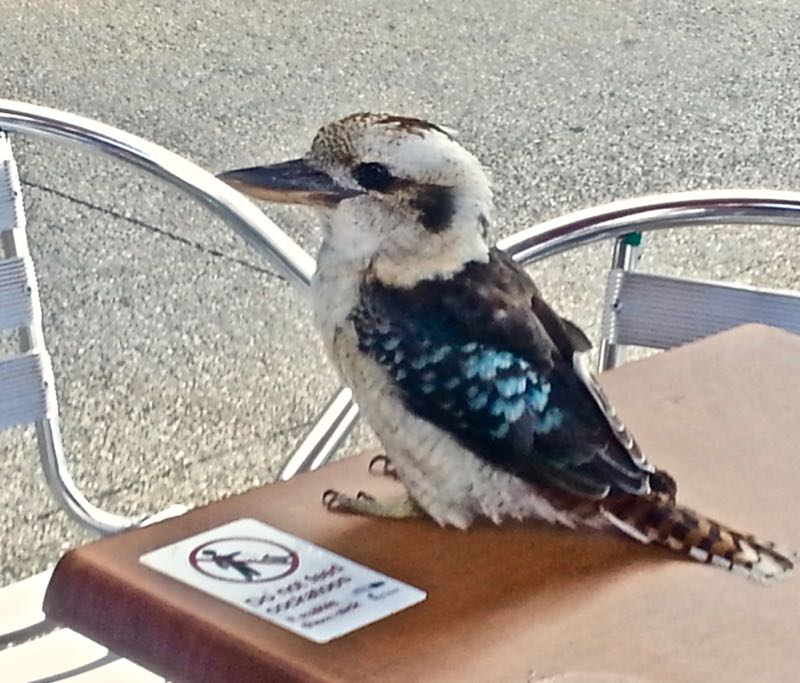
x=519, y=603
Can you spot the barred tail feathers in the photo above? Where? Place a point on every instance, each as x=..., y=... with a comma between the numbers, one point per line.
x=656, y=519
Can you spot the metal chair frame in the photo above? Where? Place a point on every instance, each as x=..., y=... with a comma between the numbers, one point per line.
x=22, y=619
x=267, y=238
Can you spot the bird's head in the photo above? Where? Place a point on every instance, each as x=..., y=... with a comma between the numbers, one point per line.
x=399, y=195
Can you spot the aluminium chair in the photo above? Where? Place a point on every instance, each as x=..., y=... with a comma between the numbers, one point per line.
x=639, y=309
x=28, y=396
x=34, y=648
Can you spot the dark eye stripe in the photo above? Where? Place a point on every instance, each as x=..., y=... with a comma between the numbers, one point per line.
x=436, y=205
x=373, y=176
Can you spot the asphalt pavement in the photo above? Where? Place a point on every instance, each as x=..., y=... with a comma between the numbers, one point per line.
x=187, y=368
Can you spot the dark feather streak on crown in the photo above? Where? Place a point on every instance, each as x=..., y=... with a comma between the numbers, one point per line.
x=408, y=124
x=332, y=140
x=412, y=125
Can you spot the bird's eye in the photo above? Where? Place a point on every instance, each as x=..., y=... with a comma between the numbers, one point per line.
x=373, y=176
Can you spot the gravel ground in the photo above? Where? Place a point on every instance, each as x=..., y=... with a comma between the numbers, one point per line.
x=187, y=367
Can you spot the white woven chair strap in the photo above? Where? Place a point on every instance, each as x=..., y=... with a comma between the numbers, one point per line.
x=17, y=282
x=27, y=393
x=12, y=214
x=662, y=312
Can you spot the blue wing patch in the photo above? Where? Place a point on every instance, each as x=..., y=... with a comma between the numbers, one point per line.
x=478, y=390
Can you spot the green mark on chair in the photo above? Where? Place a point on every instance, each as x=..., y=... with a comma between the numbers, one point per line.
x=632, y=239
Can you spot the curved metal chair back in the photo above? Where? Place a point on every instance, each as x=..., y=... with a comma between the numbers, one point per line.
x=656, y=311
x=269, y=240
x=27, y=386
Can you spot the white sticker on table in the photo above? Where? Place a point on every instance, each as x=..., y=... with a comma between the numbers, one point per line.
x=282, y=578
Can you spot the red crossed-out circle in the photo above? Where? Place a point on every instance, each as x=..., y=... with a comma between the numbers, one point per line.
x=271, y=561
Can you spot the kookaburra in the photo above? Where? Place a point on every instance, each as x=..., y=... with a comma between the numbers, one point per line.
x=475, y=386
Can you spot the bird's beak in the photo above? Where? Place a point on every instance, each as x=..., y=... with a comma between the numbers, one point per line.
x=289, y=182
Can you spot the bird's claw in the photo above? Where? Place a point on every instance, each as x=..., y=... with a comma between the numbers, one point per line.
x=335, y=500
x=364, y=504
x=386, y=467
x=330, y=497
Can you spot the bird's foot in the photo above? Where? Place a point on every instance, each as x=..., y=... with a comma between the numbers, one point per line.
x=382, y=466
x=364, y=504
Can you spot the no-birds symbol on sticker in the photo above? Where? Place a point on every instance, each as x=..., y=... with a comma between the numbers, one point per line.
x=244, y=560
